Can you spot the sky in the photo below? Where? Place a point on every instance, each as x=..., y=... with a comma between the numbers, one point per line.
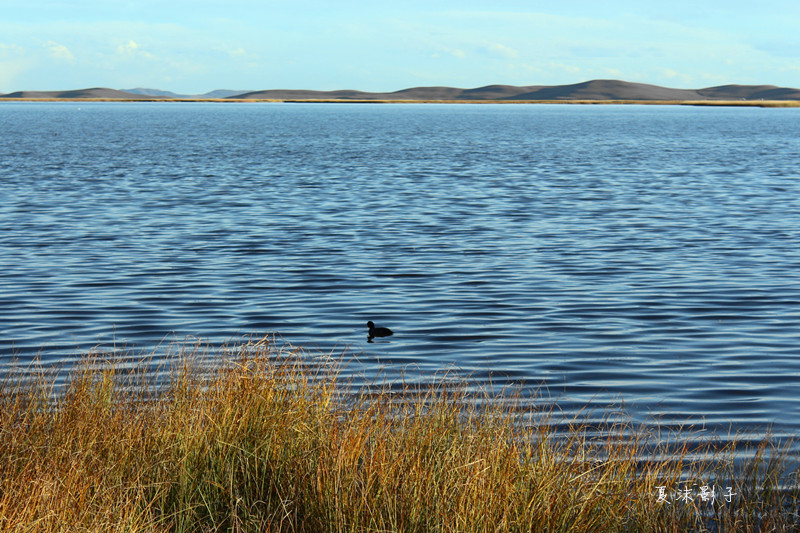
x=195, y=46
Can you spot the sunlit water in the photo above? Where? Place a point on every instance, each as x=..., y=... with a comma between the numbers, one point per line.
x=602, y=255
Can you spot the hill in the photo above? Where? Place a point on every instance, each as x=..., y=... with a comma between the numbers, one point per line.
x=93, y=93
x=599, y=90
x=595, y=90
x=219, y=93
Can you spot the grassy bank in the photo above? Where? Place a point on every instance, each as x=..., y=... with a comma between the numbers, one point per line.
x=270, y=442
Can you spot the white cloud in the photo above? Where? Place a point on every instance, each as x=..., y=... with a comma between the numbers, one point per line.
x=10, y=50
x=502, y=50
x=128, y=48
x=59, y=51
x=237, y=53
x=133, y=49
x=454, y=52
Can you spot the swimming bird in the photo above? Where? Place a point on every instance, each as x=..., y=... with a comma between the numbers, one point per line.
x=377, y=332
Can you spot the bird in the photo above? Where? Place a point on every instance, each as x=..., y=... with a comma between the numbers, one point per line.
x=377, y=332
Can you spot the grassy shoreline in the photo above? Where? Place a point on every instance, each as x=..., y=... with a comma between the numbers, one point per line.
x=713, y=103
x=270, y=442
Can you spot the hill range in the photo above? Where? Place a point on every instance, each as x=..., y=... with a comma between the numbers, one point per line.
x=595, y=90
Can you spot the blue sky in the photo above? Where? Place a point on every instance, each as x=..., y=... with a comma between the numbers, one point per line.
x=194, y=46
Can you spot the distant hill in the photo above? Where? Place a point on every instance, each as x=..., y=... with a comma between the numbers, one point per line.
x=600, y=90
x=113, y=94
x=606, y=90
x=595, y=90
x=219, y=93
x=157, y=93
x=751, y=92
x=97, y=92
x=223, y=93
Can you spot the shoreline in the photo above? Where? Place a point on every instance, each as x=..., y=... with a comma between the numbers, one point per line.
x=711, y=103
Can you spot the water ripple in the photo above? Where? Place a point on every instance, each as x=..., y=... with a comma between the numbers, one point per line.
x=648, y=254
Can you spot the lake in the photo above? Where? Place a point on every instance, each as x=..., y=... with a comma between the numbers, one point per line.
x=638, y=256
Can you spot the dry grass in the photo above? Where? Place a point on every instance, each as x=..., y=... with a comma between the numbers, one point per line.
x=270, y=442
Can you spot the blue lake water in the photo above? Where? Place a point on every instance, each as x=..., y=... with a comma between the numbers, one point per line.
x=600, y=254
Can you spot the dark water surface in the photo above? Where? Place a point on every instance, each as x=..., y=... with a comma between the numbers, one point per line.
x=646, y=254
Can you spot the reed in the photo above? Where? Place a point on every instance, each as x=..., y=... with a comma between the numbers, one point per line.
x=270, y=441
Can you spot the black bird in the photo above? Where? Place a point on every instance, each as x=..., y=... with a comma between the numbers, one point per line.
x=377, y=332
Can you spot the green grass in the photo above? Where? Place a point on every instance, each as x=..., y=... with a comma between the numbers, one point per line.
x=271, y=442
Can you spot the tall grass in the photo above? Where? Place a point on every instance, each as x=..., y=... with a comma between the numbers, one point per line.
x=270, y=442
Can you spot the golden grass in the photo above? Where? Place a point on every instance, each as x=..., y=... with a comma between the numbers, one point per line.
x=271, y=442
